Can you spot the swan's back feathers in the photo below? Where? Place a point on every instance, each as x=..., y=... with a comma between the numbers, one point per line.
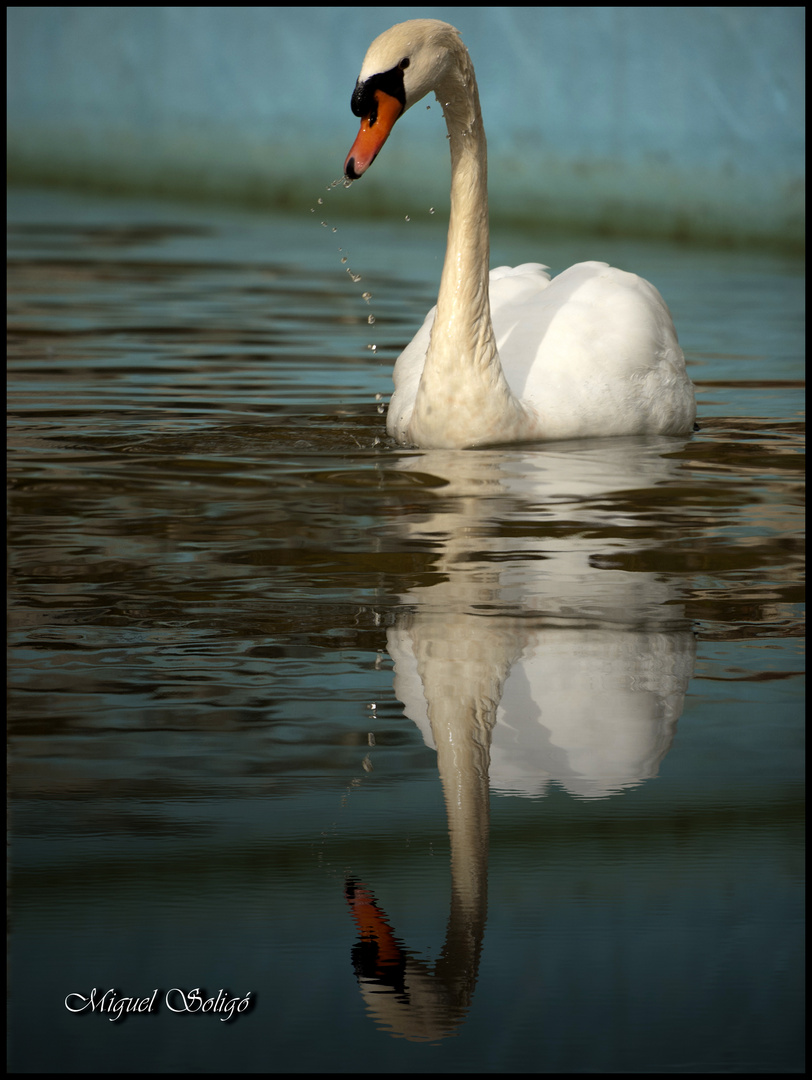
x=596, y=354
x=529, y=276
x=592, y=351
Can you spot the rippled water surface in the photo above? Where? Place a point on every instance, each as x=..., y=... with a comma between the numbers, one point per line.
x=483, y=761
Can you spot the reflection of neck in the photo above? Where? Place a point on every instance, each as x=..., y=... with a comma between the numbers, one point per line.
x=463, y=670
x=463, y=765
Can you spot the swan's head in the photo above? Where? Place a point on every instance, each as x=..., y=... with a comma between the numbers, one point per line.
x=400, y=68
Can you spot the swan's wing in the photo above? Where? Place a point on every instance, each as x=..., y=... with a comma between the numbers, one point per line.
x=593, y=348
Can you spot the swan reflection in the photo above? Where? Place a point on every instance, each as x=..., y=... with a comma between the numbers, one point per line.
x=529, y=661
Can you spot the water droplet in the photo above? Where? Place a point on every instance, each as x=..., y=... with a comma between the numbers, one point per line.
x=370, y=319
x=378, y=397
x=367, y=296
x=381, y=410
x=372, y=348
x=431, y=209
x=321, y=201
x=408, y=218
x=347, y=182
x=324, y=224
x=344, y=259
x=334, y=229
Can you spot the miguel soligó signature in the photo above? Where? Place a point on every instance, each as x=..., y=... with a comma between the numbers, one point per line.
x=176, y=1000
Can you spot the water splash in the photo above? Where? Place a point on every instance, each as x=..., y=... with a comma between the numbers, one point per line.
x=355, y=277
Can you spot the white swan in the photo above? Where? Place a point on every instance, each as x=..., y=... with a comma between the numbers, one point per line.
x=512, y=356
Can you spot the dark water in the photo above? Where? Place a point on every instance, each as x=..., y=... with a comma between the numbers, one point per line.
x=454, y=761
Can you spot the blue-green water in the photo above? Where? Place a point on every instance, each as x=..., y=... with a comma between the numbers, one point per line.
x=242, y=622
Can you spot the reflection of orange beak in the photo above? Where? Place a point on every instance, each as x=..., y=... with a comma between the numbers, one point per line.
x=372, y=924
x=375, y=128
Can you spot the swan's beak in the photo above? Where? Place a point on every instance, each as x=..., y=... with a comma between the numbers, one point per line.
x=375, y=128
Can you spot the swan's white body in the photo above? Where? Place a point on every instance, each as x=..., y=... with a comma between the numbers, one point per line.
x=511, y=355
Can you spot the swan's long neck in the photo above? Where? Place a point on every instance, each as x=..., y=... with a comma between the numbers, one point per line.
x=463, y=395
x=463, y=308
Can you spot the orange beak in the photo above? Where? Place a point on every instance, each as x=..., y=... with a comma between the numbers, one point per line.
x=375, y=128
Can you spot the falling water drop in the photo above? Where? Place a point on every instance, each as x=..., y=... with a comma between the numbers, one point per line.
x=367, y=296
x=408, y=218
x=371, y=320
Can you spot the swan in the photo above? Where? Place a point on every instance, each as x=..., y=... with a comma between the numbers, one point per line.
x=511, y=355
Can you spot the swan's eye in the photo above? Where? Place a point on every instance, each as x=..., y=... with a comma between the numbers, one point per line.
x=404, y=63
